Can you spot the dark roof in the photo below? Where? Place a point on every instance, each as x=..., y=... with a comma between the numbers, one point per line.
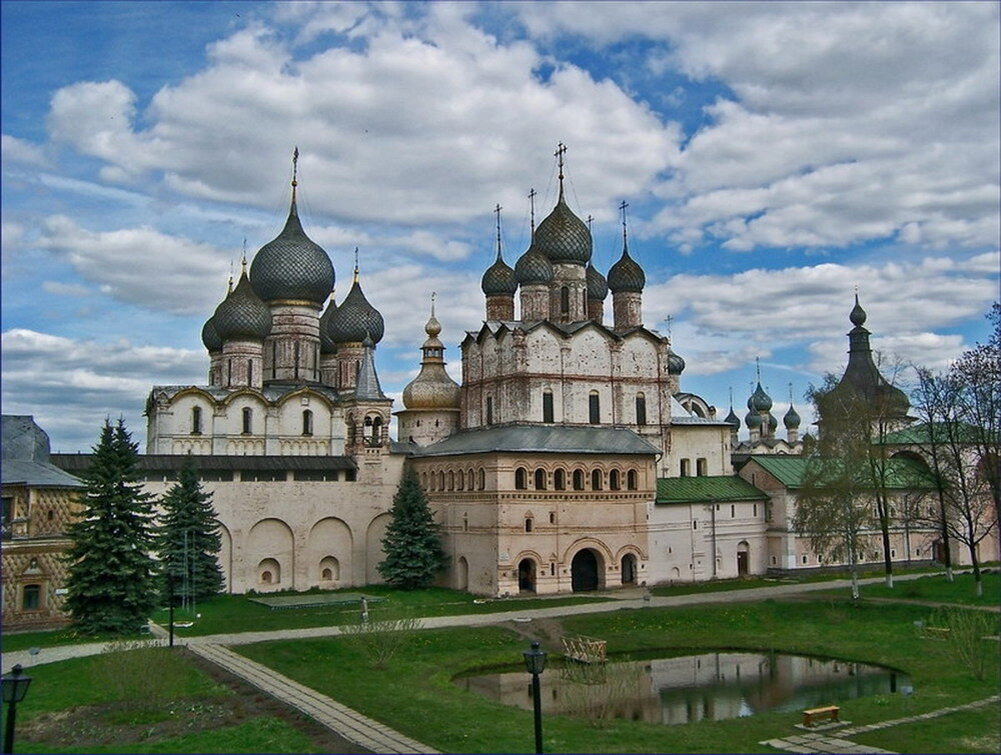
x=706, y=489
x=26, y=457
x=789, y=470
x=922, y=434
x=16, y=472
x=169, y=462
x=541, y=439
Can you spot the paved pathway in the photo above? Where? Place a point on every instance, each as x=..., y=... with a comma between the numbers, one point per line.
x=837, y=743
x=346, y=722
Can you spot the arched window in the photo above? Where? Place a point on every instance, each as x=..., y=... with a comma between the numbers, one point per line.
x=540, y=479
x=250, y=372
x=376, y=437
x=295, y=367
x=196, y=420
x=560, y=479
x=31, y=598
x=460, y=482
x=596, y=479
x=229, y=371
x=528, y=524
x=490, y=410
x=701, y=467
x=640, y=409
x=565, y=301
x=520, y=483
x=483, y=479
x=547, y=406
x=578, y=479
x=248, y=421
x=441, y=480
x=686, y=467
x=307, y=422
x=593, y=408
x=451, y=480
x=613, y=480
x=631, y=481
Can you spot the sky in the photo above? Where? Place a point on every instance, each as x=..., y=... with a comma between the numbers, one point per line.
x=775, y=158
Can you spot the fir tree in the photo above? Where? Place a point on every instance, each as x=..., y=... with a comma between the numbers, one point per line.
x=110, y=584
x=413, y=543
x=188, y=539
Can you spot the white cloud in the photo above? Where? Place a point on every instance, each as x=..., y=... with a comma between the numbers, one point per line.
x=16, y=150
x=141, y=266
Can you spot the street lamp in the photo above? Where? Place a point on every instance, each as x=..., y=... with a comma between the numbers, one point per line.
x=14, y=687
x=535, y=662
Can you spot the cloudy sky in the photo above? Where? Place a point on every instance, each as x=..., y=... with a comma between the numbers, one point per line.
x=774, y=156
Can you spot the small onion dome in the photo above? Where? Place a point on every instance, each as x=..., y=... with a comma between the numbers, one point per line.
x=791, y=419
x=326, y=344
x=533, y=267
x=752, y=420
x=499, y=279
x=433, y=388
x=563, y=237
x=242, y=315
x=292, y=266
x=626, y=274
x=210, y=336
x=759, y=400
x=675, y=364
x=355, y=319
x=857, y=315
x=597, y=286
x=772, y=422
x=732, y=419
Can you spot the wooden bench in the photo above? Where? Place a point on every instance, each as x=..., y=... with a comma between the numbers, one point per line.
x=941, y=633
x=827, y=713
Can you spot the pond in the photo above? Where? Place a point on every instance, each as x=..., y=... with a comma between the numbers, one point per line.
x=709, y=686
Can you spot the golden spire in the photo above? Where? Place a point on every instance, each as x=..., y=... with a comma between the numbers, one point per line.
x=561, y=150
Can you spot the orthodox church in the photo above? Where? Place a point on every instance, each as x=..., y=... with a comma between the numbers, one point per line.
x=568, y=458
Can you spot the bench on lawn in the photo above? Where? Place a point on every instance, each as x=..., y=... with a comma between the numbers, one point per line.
x=941, y=633
x=827, y=713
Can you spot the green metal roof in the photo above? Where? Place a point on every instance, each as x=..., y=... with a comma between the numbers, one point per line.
x=900, y=473
x=706, y=489
x=918, y=435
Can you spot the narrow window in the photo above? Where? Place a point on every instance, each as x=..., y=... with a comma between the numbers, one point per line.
x=229, y=372
x=613, y=480
x=31, y=597
x=631, y=479
x=547, y=406
x=560, y=479
x=248, y=421
x=695, y=524
x=295, y=365
x=376, y=431
x=686, y=467
x=754, y=511
x=250, y=372
x=540, y=479
x=640, y=409
x=483, y=480
x=596, y=479
x=519, y=479
x=578, y=479
x=196, y=420
x=594, y=408
x=274, y=359
x=701, y=467
x=490, y=410
x=552, y=517
x=565, y=301
x=528, y=524
x=733, y=511
x=307, y=422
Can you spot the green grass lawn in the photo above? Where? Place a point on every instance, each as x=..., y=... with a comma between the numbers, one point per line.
x=428, y=706
x=235, y=613
x=972, y=731
x=53, y=637
x=152, y=700
x=936, y=588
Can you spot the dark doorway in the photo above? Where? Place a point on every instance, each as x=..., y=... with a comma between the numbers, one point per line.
x=743, y=559
x=526, y=575
x=584, y=571
x=629, y=569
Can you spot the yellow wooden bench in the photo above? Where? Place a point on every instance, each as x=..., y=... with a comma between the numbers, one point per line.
x=813, y=715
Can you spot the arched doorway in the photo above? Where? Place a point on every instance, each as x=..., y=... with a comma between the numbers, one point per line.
x=584, y=571
x=629, y=569
x=743, y=559
x=462, y=573
x=526, y=575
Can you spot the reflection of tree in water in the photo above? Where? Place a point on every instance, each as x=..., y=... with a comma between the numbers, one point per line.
x=601, y=692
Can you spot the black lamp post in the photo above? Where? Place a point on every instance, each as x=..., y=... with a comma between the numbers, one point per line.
x=14, y=687
x=170, y=603
x=535, y=662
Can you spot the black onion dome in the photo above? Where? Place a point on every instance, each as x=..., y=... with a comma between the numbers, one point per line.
x=752, y=420
x=326, y=344
x=732, y=419
x=626, y=274
x=533, y=267
x=772, y=422
x=242, y=315
x=355, y=319
x=675, y=364
x=210, y=336
x=858, y=314
x=563, y=237
x=292, y=266
x=499, y=279
x=597, y=286
x=760, y=401
x=791, y=419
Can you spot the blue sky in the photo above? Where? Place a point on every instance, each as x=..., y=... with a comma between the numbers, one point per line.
x=774, y=157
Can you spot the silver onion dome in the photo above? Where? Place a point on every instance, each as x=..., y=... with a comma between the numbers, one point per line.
x=242, y=315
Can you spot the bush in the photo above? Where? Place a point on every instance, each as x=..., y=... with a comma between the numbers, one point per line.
x=381, y=640
x=967, y=642
x=139, y=676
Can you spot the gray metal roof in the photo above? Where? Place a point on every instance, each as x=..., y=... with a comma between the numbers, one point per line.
x=26, y=457
x=36, y=475
x=169, y=462
x=541, y=439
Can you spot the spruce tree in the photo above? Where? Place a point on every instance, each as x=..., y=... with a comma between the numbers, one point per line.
x=110, y=585
x=412, y=543
x=188, y=540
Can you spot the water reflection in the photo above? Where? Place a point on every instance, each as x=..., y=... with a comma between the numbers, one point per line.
x=710, y=686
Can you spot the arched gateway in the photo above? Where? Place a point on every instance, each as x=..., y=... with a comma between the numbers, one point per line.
x=584, y=571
